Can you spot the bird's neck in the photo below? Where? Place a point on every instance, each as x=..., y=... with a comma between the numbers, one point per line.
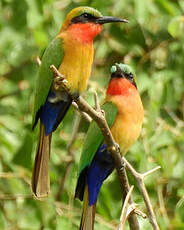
x=120, y=86
x=83, y=32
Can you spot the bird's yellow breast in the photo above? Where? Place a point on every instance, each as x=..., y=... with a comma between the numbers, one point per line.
x=128, y=123
x=77, y=63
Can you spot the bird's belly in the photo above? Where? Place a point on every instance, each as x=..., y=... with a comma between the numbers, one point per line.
x=76, y=66
x=126, y=132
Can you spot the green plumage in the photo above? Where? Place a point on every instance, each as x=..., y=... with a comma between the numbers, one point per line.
x=88, y=10
x=94, y=136
x=52, y=55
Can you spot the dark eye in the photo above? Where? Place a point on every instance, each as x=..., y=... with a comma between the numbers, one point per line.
x=131, y=76
x=85, y=15
x=88, y=16
x=83, y=18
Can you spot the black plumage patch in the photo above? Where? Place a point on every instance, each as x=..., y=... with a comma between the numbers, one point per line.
x=128, y=76
x=83, y=18
x=81, y=182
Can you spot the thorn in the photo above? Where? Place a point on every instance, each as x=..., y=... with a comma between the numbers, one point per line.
x=97, y=104
x=38, y=61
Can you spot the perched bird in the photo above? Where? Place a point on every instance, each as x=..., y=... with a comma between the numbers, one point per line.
x=124, y=114
x=72, y=53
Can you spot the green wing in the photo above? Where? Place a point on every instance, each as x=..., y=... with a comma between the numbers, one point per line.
x=52, y=55
x=94, y=135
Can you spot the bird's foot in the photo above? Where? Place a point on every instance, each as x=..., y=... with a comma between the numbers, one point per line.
x=59, y=82
x=117, y=147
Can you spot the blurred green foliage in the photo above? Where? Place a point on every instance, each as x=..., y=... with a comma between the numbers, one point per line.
x=153, y=44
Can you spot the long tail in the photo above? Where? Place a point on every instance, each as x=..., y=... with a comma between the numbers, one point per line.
x=40, y=176
x=88, y=214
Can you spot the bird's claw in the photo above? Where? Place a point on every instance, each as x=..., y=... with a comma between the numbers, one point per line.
x=58, y=82
x=117, y=147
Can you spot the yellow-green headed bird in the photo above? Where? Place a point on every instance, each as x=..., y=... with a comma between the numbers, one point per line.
x=72, y=53
x=124, y=114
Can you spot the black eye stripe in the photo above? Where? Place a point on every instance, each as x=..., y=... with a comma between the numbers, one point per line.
x=85, y=17
x=128, y=76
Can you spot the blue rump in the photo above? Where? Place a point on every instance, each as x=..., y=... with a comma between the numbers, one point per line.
x=53, y=113
x=100, y=168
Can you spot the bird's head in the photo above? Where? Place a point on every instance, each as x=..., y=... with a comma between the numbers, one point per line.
x=122, y=80
x=86, y=22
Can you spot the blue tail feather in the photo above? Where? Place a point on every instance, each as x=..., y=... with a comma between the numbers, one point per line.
x=101, y=166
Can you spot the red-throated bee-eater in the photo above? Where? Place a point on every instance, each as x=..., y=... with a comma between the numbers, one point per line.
x=124, y=114
x=72, y=53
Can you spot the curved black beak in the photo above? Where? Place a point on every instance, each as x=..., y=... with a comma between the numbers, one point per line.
x=109, y=19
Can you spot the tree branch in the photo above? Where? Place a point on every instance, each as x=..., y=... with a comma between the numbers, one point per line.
x=125, y=210
x=99, y=118
x=84, y=115
x=140, y=181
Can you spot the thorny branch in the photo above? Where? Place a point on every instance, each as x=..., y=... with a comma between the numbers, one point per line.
x=140, y=181
x=125, y=212
x=99, y=117
x=84, y=115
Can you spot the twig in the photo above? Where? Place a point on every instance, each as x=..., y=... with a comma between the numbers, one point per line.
x=99, y=118
x=38, y=61
x=140, y=181
x=132, y=220
x=124, y=213
x=128, y=209
x=84, y=115
x=163, y=209
x=140, y=213
x=97, y=104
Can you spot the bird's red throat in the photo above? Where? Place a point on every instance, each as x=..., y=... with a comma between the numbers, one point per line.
x=120, y=86
x=84, y=32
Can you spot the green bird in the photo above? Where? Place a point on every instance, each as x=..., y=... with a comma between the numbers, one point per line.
x=72, y=53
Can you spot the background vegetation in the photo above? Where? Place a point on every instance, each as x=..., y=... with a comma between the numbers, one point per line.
x=153, y=44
